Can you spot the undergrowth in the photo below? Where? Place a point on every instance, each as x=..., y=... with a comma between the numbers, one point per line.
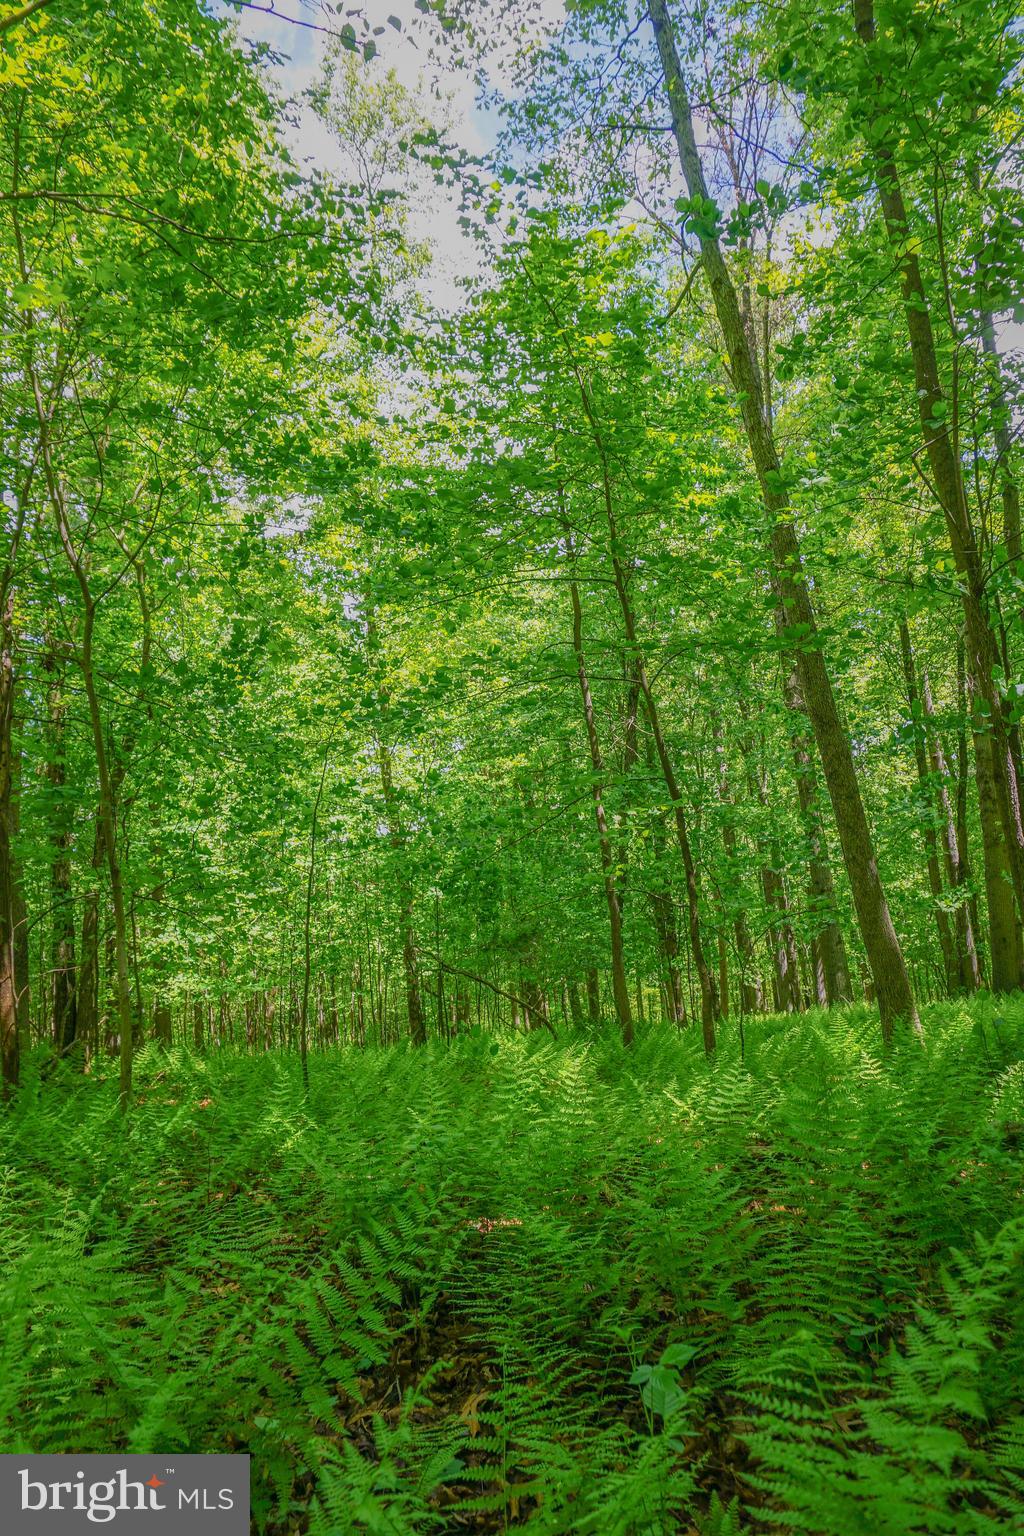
x=510, y=1283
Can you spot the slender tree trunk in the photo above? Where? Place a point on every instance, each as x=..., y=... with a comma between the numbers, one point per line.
x=663, y=909
x=14, y=967
x=709, y=1009
x=462, y=1007
x=107, y=815
x=750, y=980
x=535, y=1004
x=1003, y=437
x=946, y=942
x=163, y=1022
x=962, y=775
x=335, y=1017
x=410, y=957
x=885, y=957
x=360, y=1004
x=88, y=998
x=64, y=1018
x=396, y=835
x=705, y=976
x=620, y=988
x=630, y=757
x=999, y=796
x=782, y=941
x=828, y=948
x=954, y=856
x=163, y=1019
x=108, y=824
x=64, y=1013
x=307, y=926
x=19, y=913
x=1010, y=497
x=1003, y=927
x=593, y=996
x=163, y=1032
x=10, y=1032
x=785, y=960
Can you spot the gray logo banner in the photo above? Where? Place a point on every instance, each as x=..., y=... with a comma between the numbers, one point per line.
x=166, y=1494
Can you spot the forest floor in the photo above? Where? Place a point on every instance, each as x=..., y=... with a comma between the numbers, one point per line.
x=513, y=1282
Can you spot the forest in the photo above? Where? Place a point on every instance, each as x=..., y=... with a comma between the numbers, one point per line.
x=511, y=757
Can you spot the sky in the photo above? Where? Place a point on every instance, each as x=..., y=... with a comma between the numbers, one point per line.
x=434, y=212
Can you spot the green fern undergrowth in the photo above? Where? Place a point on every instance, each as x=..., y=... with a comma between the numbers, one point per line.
x=512, y=1282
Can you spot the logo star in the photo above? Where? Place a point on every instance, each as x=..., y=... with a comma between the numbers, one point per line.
x=155, y=1482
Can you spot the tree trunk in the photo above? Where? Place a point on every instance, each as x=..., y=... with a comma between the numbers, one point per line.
x=396, y=835
x=750, y=979
x=785, y=960
x=108, y=824
x=410, y=957
x=1003, y=927
x=307, y=925
x=723, y=975
x=663, y=908
x=709, y=1004
x=946, y=943
x=163, y=1032
x=828, y=948
x=782, y=941
x=1004, y=445
x=593, y=996
x=535, y=1004
x=999, y=797
x=107, y=815
x=10, y=1033
x=88, y=998
x=954, y=855
x=64, y=1013
x=962, y=775
x=885, y=957
x=630, y=757
x=19, y=912
x=620, y=988
x=708, y=989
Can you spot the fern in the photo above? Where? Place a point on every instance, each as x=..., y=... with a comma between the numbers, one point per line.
x=526, y=1284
